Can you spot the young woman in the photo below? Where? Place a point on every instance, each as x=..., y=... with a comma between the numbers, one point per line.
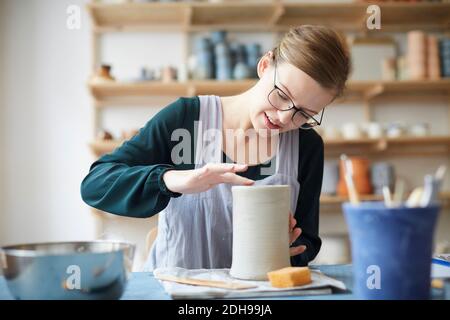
x=158, y=172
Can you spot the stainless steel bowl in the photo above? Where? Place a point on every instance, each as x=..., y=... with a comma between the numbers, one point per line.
x=67, y=270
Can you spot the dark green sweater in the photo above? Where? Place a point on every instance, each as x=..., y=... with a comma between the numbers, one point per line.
x=128, y=181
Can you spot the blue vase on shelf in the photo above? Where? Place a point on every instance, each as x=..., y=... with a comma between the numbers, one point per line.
x=204, y=65
x=241, y=70
x=253, y=54
x=218, y=37
x=223, y=63
x=444, y=49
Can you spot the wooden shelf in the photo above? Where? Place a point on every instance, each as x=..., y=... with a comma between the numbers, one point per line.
x=101, y=147
x=352, y=16
x=130, y=93
x=373, y=89
x=264, y=16
x=407, y=140
x=137, y=16
x=402, y=146
x=116, y=92
x=337, y=200
x=112, y=90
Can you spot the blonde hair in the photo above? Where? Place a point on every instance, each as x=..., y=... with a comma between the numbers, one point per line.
x=320, y=52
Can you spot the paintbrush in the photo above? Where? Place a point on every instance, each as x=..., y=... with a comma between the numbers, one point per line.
x=348, y=177
x=387, y=197
x=398, y=192
x=414, y=198
x=433, y=184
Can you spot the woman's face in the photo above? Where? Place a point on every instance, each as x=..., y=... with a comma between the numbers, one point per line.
x=303, y=90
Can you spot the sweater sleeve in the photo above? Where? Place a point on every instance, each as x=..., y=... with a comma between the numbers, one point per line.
x=311, y=163
x=128, y=181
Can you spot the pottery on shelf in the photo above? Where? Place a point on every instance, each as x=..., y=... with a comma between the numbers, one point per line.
x=204, y=60
x=433, y=62
x=361, y=176
x=396, y=129
x=218, y=36
x=417, y=54
x=420, y=130
x=223, y=61
x=168, y=74
x=382, y=174
x=223, y=64
x=146, y=74
x=240, y=69
x=105, y=135
x=351, y=131
x=253, y=56
x=103, y=74
x=374, y=130
x=260, y=225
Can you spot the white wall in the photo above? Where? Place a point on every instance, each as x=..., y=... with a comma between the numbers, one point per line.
x=45, y=115
x=2, y=126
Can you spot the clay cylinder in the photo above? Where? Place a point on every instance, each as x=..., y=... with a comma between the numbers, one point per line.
x=260, y=230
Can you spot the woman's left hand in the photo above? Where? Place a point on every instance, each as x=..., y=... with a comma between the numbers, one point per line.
x=294, y=233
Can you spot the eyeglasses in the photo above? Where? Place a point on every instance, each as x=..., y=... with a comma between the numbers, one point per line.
x=281, y=101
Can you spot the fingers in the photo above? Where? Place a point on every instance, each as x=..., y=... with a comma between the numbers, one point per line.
x=220, y=168
x=294, y=234
x=292, y=222
x=240, y=167
x=297, y=250
x=233, y=178
x=215, y=173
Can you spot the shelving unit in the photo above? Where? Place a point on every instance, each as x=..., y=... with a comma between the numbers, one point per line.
x=116, y=92
x=402, y=146
x=263, y=16
x=429, y=146
x=272, y=17
x=337, y=200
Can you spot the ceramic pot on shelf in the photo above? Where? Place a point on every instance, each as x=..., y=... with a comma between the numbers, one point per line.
x=361, y=176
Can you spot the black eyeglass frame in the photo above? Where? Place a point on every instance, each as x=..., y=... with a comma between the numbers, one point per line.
x=302, y=111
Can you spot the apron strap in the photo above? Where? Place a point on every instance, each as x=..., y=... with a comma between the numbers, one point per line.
x=208, y=147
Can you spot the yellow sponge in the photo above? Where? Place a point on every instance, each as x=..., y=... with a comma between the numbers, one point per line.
x=290, y=277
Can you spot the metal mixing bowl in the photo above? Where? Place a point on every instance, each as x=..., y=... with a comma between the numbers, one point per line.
x=67, y=270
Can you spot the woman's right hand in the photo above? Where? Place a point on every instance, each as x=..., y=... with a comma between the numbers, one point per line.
x=202, y=179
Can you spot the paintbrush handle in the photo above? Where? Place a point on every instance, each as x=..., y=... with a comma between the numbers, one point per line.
x=354, y=199
x=205, y=283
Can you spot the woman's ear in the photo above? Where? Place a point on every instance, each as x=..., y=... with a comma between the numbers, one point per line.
x=264, y=63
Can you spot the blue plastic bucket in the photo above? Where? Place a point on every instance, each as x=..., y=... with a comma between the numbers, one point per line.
x=391, y=250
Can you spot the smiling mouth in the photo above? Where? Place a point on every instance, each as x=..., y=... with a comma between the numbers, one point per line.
x=268, y=122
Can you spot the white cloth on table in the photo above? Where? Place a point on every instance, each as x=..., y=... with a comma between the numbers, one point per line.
x=321, y=284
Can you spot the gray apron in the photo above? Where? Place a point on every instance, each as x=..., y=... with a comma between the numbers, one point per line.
x=195, y=230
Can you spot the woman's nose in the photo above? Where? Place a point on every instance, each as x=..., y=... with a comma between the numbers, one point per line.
x=285, y=117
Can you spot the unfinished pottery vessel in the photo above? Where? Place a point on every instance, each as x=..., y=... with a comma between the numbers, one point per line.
x=260, y=230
